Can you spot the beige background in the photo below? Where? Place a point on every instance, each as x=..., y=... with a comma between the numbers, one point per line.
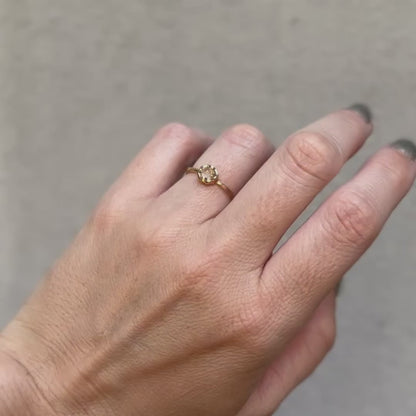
x=84, y=84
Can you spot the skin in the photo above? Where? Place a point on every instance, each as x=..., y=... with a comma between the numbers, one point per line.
x=170, y=301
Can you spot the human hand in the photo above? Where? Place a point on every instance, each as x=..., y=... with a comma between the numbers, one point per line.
x=170, y=300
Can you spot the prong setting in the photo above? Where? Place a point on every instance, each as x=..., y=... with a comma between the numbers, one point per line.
x=208, y=174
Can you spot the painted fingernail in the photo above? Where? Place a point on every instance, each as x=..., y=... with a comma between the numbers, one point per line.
x=405, y=146
x=363, y=110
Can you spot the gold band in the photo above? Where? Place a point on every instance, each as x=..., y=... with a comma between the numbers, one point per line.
x=208, y=175
x=192, y=170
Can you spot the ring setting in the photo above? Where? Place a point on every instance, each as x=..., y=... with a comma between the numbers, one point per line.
x=208, y=175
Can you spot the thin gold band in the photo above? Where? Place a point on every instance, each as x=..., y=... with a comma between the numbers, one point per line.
x=192, y=170
x=208, y=175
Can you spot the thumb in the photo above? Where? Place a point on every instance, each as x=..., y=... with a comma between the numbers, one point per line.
x=297, y=361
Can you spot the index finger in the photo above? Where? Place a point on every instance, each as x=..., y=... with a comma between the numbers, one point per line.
x=314, y=259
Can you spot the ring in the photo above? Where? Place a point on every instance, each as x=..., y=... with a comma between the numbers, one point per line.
x=208, y=175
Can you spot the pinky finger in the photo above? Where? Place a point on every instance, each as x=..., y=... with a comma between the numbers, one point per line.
x=162, y=161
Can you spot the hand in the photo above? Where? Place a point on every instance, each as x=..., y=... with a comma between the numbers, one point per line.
x=170, y=301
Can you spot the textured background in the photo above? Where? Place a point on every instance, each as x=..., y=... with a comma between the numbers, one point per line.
x=84, y=84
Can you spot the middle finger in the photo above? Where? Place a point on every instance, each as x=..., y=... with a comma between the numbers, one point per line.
x=282, y=188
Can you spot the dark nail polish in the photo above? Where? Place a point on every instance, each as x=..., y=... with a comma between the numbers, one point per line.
x=363, y=110
x=406, y=146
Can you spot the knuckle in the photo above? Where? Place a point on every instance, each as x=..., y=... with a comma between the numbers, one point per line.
x=109, y=213
x=154, y=238
x=327, y=334
x=179, y=132
x=311, y=154
x=208, y=255
x=249, y=326
x=353, y=219
x=247, y=137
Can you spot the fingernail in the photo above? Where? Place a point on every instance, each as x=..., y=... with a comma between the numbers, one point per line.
x=363, y=110
x=405, y=146
x=338, y=288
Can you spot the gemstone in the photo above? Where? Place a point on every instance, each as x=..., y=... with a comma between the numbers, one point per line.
x=208, y=174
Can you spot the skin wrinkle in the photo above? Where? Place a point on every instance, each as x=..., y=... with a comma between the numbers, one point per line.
x=206, y=202
x=140, y=328
x=367, y=235
x=28, y=374
x=312, y=157
x=171, y=301
x=268, y=190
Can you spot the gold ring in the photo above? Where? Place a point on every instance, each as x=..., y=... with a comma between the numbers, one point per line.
x=208, y=175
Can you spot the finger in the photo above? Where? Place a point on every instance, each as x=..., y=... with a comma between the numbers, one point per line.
x=287, y=183
x=313, y=260
x=297, y=361
x=237, y=154
x=162, y=161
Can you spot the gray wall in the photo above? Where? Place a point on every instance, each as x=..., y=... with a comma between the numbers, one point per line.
x=84, y=84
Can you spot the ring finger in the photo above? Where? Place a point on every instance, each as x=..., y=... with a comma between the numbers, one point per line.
x=237, y=154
